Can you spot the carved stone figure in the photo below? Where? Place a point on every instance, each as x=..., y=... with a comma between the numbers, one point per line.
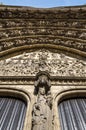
x=42, y=109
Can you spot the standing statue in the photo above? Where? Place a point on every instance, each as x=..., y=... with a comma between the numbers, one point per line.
x=42, y=109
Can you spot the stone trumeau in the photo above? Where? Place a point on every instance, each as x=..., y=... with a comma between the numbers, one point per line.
x=42, y=68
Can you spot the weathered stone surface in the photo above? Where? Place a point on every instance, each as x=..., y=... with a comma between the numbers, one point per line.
x=29, y=64
x=20, y=26
x=42, y=40
x=42, y=117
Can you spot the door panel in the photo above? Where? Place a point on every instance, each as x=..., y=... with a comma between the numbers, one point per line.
x=12, y=113
x=72, y=114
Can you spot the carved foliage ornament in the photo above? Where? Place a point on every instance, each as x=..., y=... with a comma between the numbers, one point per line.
x=29, y=13
x=29, y=64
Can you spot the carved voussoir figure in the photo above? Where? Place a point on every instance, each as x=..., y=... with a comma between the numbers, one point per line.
x=42, y=109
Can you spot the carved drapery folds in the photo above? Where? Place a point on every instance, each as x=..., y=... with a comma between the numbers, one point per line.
x=29, y=64
x=42, y=109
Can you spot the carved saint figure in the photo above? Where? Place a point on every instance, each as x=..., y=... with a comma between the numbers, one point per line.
x=42, y=109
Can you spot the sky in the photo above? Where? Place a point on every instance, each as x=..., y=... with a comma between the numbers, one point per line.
x=44, y=3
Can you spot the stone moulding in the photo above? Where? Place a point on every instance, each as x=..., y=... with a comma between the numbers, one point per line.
x=29, y=48
x=27, y=12
x=25, y=26
x=30, y=80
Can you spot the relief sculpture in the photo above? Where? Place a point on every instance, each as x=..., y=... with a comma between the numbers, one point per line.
x=42, y=109
x=56, y=64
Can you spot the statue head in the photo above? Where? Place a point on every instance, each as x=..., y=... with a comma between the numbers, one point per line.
x=42, y=91
x=42, y=83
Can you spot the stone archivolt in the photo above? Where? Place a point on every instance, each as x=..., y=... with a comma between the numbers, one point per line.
x=29, y=64
x=56, y=26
